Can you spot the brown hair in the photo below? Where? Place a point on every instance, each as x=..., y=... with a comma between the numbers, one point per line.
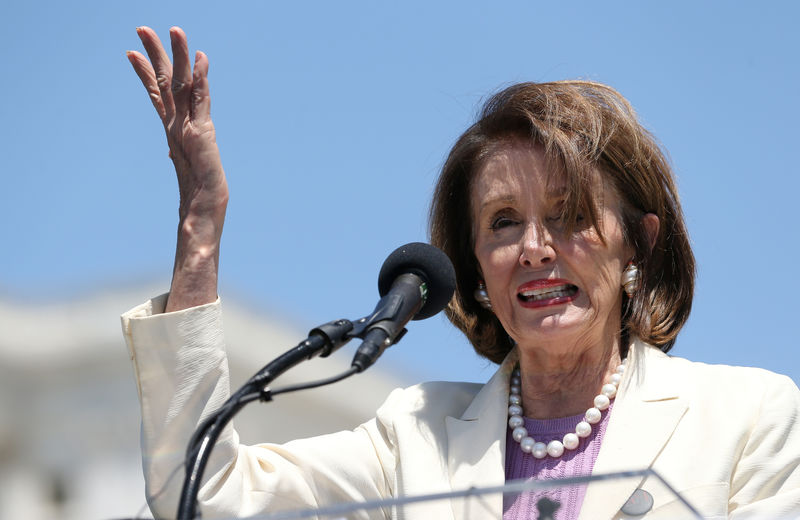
x=585, y=128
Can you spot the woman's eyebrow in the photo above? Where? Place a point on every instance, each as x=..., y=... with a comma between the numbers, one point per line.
x=500, y=199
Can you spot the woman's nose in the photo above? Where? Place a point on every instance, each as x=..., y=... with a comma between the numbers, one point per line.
x=537, y=247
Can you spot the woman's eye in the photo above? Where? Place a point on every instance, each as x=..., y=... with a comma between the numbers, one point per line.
x=501, y=222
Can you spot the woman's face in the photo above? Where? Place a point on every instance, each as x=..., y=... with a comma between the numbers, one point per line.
x=550, y=290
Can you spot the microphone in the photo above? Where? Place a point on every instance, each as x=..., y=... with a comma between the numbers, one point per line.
x=415, y=282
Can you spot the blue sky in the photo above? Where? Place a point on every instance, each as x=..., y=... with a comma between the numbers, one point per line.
x=333, y=119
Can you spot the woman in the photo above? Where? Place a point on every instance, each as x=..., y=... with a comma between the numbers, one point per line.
x=574, y=274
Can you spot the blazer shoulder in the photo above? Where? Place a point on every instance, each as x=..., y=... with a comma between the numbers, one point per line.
x=735, y=375
x=660, y=376
x=713, y=384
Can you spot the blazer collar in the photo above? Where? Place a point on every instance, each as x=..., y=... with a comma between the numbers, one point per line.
x=647, y=409
x=476, y=445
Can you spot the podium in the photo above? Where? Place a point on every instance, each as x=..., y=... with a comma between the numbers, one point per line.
x=655, y=500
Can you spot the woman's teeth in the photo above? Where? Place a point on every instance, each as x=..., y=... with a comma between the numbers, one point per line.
x=560, y=291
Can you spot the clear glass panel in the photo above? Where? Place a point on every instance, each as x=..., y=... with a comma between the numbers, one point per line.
x=645, y=491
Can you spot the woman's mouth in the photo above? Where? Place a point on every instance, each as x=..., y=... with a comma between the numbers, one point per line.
x=540, y=293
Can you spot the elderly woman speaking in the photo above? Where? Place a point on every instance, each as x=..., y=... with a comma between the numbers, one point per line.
x=574, y=274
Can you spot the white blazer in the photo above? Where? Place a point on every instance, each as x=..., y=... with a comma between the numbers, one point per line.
x=727, y=438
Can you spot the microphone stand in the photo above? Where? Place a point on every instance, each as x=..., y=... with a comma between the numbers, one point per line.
x=322, y=341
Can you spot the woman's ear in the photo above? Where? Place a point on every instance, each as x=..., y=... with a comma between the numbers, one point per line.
x=651, y=225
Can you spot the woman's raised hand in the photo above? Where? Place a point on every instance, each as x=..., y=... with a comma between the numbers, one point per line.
x=181, y=99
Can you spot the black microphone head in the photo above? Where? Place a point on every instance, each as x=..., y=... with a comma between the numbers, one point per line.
x=427, y=262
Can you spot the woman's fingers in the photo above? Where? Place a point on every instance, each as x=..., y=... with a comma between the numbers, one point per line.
x=147, y=76
x=161, y=66
x=181, y=84
x=201, y=102
x=181, y=98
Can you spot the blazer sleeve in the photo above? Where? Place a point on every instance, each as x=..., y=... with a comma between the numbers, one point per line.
x=181, y=374
x=766, y=478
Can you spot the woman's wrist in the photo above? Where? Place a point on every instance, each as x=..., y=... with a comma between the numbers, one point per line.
x=195, y=273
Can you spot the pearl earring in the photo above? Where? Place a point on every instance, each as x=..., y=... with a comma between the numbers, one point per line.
x=482, y=296
x=630, y=279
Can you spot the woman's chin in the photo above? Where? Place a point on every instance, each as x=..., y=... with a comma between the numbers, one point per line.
x=555, y=326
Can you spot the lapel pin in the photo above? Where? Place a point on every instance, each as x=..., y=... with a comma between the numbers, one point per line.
x=638, y=504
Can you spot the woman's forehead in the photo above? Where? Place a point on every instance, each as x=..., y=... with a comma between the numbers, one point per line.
x=519, y=169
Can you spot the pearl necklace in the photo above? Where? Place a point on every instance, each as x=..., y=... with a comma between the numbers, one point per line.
x=555, y=448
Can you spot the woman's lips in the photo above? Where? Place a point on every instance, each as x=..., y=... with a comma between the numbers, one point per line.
x=545, y=292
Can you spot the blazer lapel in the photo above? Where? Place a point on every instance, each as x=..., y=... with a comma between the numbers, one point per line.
x=646, y=412
x=476, y=446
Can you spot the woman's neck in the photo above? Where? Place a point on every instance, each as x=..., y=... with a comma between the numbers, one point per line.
x=563, y=383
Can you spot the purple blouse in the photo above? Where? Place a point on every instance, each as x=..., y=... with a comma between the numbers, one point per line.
x=574, y=463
